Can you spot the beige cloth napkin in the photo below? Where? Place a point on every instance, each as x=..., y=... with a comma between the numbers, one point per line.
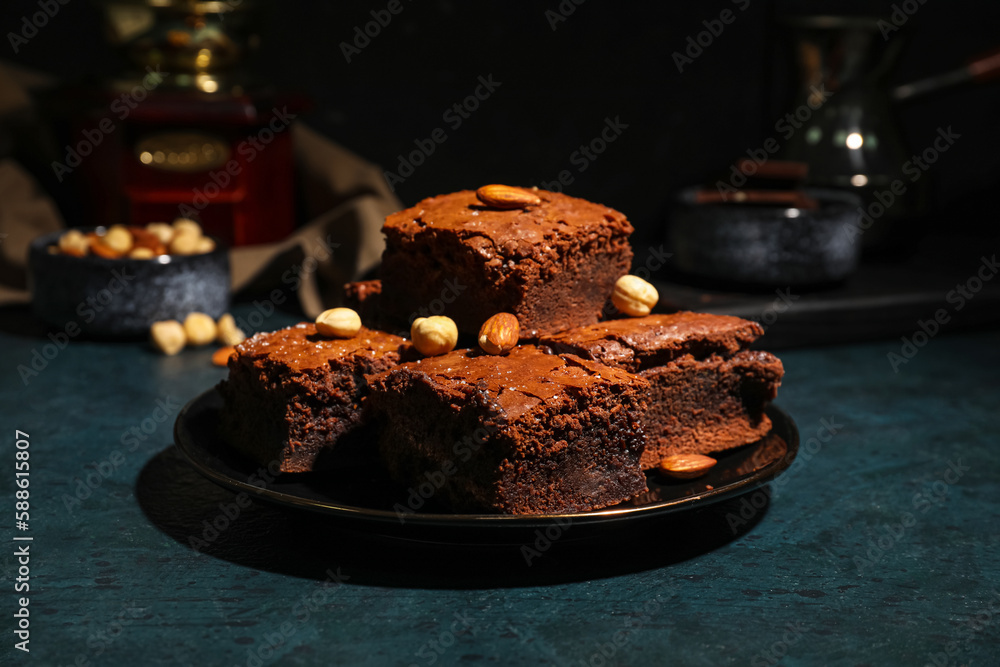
x=25, y=213
x=346, y=200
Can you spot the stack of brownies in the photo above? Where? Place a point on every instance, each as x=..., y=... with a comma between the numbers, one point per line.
x=566, y=421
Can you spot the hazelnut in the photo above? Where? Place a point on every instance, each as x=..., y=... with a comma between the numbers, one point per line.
x=338, y=323
x=434, y=335
x=162, y=231
x=204, y=245
x=142, y=253
x=228, y=332
x=200, y=329
x=634, y=296
x=118, y=238
x=168, y=336
x=185, y=243
x=187, y=225
x=74, y=243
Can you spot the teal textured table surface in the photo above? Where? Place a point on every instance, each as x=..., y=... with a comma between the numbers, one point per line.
x=879, y=546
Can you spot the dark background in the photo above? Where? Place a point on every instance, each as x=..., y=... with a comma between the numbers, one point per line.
x=606, y=60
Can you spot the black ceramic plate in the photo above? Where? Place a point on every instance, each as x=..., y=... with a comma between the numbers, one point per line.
x=365, y=494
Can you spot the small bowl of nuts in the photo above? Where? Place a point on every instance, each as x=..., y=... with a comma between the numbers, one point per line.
x=116, y=282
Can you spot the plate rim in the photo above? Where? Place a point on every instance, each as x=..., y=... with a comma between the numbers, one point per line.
x=757, y=478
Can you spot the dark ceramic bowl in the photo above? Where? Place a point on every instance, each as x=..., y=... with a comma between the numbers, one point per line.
x=766, y=246
x=121, y=298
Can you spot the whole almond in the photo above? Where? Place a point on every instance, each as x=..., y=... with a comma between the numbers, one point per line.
x=687, y=466
x=163, y=231
x=507, y=197
x=499, y=334
x=98, y=248
x=143, y=238
x=221, y=356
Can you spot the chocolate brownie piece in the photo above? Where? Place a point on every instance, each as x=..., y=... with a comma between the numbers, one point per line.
x=294, y=396
x=525, y=433
x=709, y=405
x=552, y=265
x=363, y=296
x=708, y=392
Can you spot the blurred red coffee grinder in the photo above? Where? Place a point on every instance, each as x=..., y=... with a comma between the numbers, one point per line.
x=187, y=132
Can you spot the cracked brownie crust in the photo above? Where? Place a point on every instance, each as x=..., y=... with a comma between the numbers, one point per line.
x=707, y=390
x=525, y=433
x=294, y=396
x=552, y=265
